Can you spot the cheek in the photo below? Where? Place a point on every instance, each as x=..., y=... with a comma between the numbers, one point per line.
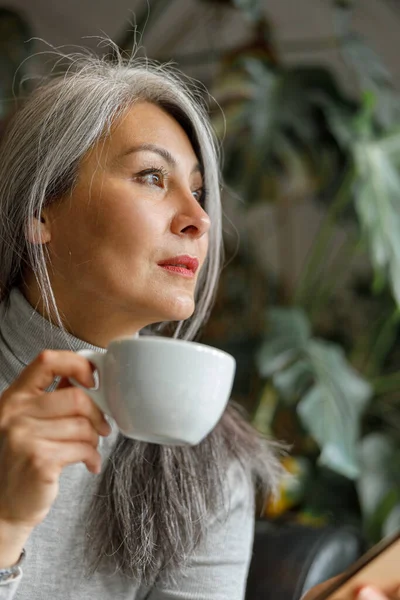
x=119, y=211
x=112, y=226
x=124, y=230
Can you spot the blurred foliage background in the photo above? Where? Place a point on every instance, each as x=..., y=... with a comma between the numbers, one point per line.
x=318, y=350
x=325, y=350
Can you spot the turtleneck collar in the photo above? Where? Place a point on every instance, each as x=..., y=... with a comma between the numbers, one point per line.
x=26, y=332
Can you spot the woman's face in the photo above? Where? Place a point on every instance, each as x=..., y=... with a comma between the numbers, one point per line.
x=138, y=203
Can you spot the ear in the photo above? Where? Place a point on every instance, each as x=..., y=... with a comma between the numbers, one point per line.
x=40, y=231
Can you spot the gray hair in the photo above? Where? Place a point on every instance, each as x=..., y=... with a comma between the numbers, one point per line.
x=59, y=123
x=174, y=489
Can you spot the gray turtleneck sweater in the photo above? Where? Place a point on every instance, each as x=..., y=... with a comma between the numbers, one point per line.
x=53, y=566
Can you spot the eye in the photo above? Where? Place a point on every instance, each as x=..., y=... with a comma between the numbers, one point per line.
x=152, y=176
x=200, y=195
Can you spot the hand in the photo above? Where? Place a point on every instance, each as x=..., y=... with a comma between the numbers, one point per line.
x=365, y=593
x=41, y=433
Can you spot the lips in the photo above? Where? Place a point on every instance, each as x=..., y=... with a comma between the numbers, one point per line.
x=189, y=263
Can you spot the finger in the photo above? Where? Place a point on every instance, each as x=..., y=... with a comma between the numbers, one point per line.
x=74, y=429
x=65, y=382
x=68, y=453
x=48, y=365
x=371, y=593
x=65, y=403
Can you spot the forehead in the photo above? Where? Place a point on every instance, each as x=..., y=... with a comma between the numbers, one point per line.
x=146, y=123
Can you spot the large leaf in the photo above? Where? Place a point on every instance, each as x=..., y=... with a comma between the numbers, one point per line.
x=293, y=381
x=376, y=453
x=392, y=522
x=373, y=77
x=378, y=481
x=378, y=207
x=288, y=333
x=277, y=112
x=332, y=409
x=376, y=186
x=331, y=396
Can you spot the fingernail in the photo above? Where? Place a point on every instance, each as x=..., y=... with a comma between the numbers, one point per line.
x=106, y=428
x=370, y=593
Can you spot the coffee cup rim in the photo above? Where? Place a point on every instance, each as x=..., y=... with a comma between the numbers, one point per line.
x=149, y=339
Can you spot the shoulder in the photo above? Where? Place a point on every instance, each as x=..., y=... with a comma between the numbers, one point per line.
x=230, y=532
x=238, y=496
x=239, y=484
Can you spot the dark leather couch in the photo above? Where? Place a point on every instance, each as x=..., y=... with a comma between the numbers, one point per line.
x=288, y=560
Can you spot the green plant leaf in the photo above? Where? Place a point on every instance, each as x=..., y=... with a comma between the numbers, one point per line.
x=292, y=381
x=332, y=394
x=278, y=112
x=376, y=187
x=332, y=409
x=375, y=525
x=288, y=332
x=260, y=112
x=264, y=413
x=378, y=485
x=376, y=452
x=341, y=121
x=374, y=77
x=392, y=521
x=289, y=323
x=378, y=207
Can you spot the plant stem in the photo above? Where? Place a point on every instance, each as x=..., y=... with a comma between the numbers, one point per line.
x=383, y=343
x=318, y=250
x=283, y=215
x=363, y=343
x=335, y=274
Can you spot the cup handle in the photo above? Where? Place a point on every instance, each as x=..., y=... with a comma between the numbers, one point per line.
x=97, y=395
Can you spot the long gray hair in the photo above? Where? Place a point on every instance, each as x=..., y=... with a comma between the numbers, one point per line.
x=174, y=489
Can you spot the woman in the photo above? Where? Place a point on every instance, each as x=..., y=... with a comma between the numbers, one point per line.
x=105, y=172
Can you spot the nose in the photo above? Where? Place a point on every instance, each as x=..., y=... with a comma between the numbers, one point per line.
x=190, y=218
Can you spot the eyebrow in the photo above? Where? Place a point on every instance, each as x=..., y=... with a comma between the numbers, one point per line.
x=163, y=152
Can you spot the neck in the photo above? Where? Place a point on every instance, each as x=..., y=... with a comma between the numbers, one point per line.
x=89, y=318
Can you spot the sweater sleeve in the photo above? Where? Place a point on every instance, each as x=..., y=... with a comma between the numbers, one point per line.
x=9, y=588
x=218, y=569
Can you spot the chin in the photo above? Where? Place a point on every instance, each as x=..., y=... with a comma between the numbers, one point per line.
x=179, y=310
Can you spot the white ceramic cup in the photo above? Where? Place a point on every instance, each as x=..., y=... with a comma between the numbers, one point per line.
x=162, y=390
